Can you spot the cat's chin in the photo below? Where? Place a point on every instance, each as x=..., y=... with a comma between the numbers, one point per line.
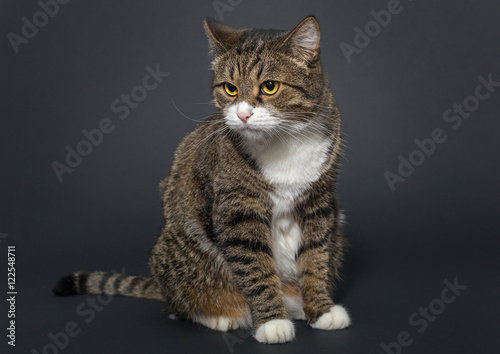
x=251, y=134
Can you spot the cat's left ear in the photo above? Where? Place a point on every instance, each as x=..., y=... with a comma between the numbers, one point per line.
x=303, y=41
x=221, y=37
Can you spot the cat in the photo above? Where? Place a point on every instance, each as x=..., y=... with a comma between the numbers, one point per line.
x=252, y=235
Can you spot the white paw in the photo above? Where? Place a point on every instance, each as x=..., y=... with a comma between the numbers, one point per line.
x=222, y=324
x=336, y=318
x=275, y=331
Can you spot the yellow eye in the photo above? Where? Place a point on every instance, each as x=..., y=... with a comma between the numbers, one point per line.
x=230, y=89
x=269, y=87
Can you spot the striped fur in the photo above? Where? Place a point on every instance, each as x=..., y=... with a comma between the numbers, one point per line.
x=109, y=284
x=252, y=234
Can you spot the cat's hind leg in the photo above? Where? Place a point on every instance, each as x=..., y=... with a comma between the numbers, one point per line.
x=220, y=323
x=222, y=310
x=293, y=301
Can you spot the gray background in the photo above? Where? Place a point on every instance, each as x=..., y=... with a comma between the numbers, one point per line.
x=440, y=224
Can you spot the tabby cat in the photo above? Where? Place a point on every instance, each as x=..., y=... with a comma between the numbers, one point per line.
x=252, y=233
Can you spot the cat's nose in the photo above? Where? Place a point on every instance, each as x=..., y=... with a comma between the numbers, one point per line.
x=244, y=116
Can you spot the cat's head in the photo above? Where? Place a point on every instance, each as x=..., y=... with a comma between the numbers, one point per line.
x=268, y=82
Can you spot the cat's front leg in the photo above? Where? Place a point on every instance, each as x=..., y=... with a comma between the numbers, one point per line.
x=319, y=259
x=242, y=226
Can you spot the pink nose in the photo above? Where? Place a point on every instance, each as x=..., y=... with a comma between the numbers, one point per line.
x=244, y=116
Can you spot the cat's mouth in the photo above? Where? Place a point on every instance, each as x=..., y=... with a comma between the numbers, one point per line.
x=259, y=125
x=244, y=127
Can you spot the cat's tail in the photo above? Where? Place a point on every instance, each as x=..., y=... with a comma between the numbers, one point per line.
x=108, y=284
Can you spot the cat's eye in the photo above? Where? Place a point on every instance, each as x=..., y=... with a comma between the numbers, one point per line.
x=230, y=89
x=269, y=87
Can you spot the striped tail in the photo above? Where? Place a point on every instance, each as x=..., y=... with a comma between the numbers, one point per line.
x=109, y=284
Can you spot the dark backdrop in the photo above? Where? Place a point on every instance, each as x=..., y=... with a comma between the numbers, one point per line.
x=435, y=229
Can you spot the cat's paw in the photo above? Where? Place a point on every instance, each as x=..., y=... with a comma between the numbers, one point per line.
x=275, y=331
x=221, y=324
x=336, y=318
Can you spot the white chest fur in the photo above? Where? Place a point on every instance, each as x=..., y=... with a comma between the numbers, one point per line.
x=291, y=166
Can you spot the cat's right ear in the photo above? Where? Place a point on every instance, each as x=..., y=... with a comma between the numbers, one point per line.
x=221, y=37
